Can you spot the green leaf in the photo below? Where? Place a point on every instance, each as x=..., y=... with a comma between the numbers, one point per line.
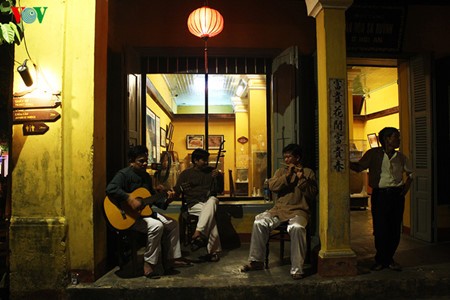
x=3, y=32
x=7, y=33
x=17, y=37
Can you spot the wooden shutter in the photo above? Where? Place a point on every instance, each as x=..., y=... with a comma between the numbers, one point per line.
x=422, y=202
x=284, y=103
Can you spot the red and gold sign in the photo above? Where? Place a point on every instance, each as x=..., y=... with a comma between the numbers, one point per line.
x=242, y=140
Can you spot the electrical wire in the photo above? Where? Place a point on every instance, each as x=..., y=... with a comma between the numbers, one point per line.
x=24, y=38
x=36, y=68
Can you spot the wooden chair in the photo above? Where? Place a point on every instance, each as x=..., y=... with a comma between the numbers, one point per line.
x=187, y=224
x=128, y=244
x=280, y=233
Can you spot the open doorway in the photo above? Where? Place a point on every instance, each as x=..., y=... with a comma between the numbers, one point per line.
x=375, y=104
x=374, y=101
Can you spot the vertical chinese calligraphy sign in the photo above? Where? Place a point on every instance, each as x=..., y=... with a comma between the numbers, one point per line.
x=338, y=128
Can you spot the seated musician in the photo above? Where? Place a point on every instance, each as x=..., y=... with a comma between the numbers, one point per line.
x=200, y=185
x=157, y=227
x=296, y=188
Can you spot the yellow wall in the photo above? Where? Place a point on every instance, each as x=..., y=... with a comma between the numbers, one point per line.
x=258, y=134
x=382, y=99
x=160, y=84
x=242, y=150
x=164, y=119
x=358, y=130
x=223, y=127
x=58, y=177
x=257, y=120
x=375, y=125
x=379, y=100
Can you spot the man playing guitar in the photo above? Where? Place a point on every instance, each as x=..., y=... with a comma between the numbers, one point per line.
x=120, y=191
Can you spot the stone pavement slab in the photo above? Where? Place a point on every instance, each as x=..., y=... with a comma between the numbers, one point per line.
x=425, y=275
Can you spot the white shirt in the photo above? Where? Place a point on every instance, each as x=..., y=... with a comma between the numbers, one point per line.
x=392, y=171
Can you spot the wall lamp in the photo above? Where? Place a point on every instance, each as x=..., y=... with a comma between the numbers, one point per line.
x=24, y=72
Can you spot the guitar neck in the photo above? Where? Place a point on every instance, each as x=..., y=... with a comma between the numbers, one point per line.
x=158, y=199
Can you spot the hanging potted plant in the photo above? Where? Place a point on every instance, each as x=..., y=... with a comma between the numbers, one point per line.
x=10, y=31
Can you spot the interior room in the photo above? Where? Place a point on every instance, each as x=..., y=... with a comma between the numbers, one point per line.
x=375, y=103
x=236, y=117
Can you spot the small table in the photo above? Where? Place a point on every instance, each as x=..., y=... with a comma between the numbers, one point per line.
x=359, y=201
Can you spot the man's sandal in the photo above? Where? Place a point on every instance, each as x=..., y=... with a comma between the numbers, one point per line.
x=297, y=276
x=252, y=266
x=179, y=263
x=210, y=257
x=198, y=242
x=153, y=275
x=149, y=272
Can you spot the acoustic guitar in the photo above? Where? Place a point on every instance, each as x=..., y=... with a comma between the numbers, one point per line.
x=123, y=216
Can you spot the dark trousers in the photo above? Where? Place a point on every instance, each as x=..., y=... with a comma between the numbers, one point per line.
x=387, y=213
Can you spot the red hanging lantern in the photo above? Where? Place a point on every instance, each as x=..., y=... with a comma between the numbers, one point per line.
x=205, y=22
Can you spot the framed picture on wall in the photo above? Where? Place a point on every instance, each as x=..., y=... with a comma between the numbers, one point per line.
x=170, y=131
x=214, y=141
x=194, y=141
x=163, y=137
x=151, y=135
x=373, y=140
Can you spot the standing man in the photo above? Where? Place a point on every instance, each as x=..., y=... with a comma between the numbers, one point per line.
x=296, y=188
x=158, y=228
x=387, y=168
x=200, y=185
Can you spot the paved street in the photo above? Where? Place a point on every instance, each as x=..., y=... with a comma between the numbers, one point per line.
x=425, y=275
